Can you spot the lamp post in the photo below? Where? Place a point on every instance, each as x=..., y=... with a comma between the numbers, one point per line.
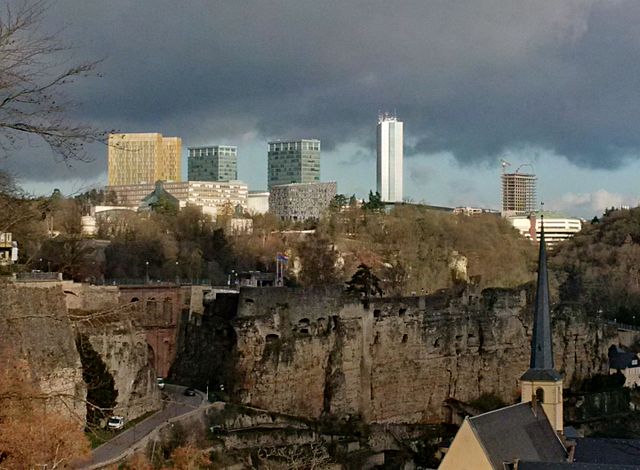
x=147, y=272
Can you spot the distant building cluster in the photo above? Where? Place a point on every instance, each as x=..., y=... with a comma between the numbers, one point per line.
x=136, y=162
x=295, y=190
x=212, y=196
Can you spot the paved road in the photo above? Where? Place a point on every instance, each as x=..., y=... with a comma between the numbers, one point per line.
x=178, y=404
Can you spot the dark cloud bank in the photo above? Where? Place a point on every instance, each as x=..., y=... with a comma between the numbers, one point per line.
x=474, y=77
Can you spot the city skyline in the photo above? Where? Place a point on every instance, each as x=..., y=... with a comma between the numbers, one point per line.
x=478, y=83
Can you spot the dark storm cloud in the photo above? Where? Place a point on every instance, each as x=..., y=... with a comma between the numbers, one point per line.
x=475, y=78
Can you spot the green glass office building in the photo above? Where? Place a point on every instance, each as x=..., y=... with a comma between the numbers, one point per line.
x=293, y=161
x=214, y=163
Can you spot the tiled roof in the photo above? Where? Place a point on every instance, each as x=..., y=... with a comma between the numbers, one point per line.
x=517, y=432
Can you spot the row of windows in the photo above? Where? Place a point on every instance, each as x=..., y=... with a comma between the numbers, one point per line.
x=299, y=145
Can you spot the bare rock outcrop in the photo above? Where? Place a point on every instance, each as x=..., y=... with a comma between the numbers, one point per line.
x=310, y=353
x=37, y=332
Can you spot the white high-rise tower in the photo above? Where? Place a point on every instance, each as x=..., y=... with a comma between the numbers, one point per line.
x=390, y=145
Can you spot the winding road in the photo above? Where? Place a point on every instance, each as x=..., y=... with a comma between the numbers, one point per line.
x=177, y=404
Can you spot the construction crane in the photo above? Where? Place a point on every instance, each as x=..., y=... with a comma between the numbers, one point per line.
x=504, y=164
x=526, y=164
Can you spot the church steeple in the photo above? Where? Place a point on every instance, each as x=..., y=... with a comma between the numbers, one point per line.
x=542, y=383
x=541, y=363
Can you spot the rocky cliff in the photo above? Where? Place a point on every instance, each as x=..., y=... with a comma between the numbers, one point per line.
x=117, y=336
x=36, y=331
x=318, y=352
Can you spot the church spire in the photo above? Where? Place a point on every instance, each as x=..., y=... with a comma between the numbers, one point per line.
x=541, y=365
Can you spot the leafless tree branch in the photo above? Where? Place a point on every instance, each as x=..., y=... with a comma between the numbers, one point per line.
x=33, y=85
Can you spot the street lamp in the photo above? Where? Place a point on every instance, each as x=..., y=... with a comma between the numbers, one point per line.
x=178, y=272
x=147, y=272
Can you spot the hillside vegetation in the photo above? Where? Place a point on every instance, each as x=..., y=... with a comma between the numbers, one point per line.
x=411, y=249
x=600, y=266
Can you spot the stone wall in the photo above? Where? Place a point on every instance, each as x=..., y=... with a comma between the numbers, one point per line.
x=87, y=297
x=314, y=352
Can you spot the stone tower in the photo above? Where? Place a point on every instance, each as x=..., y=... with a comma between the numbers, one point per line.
x=542, y=383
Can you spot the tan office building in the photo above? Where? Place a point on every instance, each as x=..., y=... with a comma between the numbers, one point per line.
x=143, y=158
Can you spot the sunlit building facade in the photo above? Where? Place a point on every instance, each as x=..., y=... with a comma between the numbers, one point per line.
x=214, y=197
x=143, y=158
x=557, y=228
x=390, y=134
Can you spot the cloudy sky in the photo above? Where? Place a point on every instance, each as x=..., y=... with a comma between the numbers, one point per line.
x=554, y=84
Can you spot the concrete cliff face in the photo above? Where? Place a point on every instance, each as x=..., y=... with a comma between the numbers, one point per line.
x=36, y=331
x=313, y=352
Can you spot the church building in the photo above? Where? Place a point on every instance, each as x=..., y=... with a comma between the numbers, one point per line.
x=529, y=435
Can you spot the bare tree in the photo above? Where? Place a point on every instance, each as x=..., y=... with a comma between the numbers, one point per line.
x=297, y=457
x=33, y=81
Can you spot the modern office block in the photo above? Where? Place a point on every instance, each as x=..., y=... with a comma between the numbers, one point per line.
x=258, y=202
x=518, y=193
x=213, y=163
x=143, y=158
x=390, y=155
x=295, y=161
x=557, y=228
x=301, y=201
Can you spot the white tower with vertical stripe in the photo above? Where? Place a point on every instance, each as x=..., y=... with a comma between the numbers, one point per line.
x=390, y=154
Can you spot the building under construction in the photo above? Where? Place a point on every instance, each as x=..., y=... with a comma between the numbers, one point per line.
x=518, y=193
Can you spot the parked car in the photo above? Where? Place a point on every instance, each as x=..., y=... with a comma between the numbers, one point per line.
x=160, y=383
x=115, y=422
x=190, y=392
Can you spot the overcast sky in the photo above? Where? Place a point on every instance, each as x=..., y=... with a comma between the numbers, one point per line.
x=552, y=83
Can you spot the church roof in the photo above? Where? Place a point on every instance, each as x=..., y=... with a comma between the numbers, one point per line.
x=541, y=365
x=157, y=195
x=517, y=432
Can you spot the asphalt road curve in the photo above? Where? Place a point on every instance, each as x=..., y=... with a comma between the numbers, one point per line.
x=178, y=404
